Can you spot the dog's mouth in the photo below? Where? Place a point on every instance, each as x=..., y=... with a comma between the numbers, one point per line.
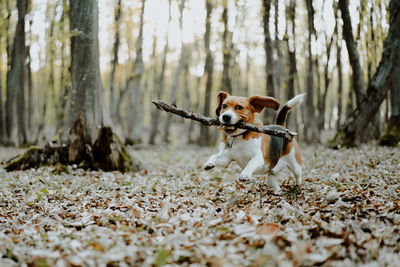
x=231, y=128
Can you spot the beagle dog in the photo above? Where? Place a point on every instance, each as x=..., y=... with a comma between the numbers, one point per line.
x=255, y=153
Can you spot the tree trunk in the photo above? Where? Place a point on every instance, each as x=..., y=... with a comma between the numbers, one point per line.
x=2, y=124
x=226, y=84
x=155, y=118
x=358, y=81
x=114, y=62
x=391, y=134
x=323, y=96
x=269, y=62
x=15, y=102
x=196, y=106
x=310, y=125
x=278, y=51
x=205, y=137
x=186, y=89
x=291, y=47
x=136, y=102
x=340, y=81
x=86, y=92
x=175, y=84
x=353, y=131
x=65, y=81
x=30, y=82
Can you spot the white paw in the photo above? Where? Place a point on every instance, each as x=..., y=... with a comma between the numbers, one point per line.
x=244, y=177
x=277, y=191
x=208, y=166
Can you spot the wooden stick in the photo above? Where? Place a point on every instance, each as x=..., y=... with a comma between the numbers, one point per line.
x=268, y=129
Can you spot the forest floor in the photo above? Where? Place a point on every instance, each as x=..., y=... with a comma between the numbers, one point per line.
x=346, y=213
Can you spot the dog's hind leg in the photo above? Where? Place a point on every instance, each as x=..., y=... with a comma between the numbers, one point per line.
x=294, y=166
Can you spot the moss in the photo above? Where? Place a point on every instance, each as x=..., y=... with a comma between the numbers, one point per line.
x=59, y=168
x=24, y=161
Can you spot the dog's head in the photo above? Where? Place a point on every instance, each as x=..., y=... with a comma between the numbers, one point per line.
x=235, y=109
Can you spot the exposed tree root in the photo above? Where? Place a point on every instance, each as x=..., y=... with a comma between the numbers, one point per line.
x=107, y=153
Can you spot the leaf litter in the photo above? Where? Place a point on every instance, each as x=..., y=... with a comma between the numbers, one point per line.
x=346, y=213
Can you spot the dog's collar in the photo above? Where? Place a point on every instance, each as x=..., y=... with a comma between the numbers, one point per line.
x=229, y=144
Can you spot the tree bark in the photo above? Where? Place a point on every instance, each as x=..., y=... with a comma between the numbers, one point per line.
x=353, y=131
x=86, y=92
x=291, y=13
x=358, y=81
x=136, y=131
x=175, y=84
x=278, y=51
x=155, y=118
x=340, y=81
x=114, y=62
x=269, y=59
x=15, y=95
x=205, y=137
x=327, y=79
x=391, y=133
x=65, y=79
x=226, y=84
x=2, y=123
x=310, y=125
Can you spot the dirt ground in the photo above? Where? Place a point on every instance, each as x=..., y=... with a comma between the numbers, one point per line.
x=346, y=213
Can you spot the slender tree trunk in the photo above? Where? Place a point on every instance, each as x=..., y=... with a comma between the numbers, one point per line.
x=278, y=51
x=30, y=88
x=7, y=31
x=136, y=132
x=340, y=81
x=205, y=137
x=187, y=93
x=226, y=83
x=160, y=85
x=114, y=62
x=86, y=92
x=310, y=127
x=353, y=131
x=65, y=80
x=175, y=84
x=196, y=106
x=323, y=96
x=15, y=102
x=2, y=123
x=247, y=75
x=269, y=62
x=291, y=47
x=358, y=82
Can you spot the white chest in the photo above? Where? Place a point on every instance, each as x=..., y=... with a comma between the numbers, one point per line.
x=244, y=150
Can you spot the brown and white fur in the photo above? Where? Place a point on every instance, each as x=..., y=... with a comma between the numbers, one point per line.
x=255, y=153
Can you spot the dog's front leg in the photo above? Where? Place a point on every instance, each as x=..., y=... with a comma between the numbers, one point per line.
x=253, y=165
x=221, y=159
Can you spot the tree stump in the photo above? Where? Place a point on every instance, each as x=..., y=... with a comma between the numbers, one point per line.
x=107, y=153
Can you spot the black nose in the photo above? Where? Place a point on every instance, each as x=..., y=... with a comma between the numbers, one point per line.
x=226, y=118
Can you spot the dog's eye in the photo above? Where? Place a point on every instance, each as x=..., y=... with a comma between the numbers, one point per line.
x=239, y=107
x=224, y=105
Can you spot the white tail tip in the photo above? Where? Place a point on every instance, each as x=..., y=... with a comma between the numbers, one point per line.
x=298, y=99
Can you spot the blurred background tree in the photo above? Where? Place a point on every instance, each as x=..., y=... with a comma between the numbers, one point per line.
x=343, y=54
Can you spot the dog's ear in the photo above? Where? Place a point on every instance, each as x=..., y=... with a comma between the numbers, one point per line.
x=220, y=98
x=261, y=102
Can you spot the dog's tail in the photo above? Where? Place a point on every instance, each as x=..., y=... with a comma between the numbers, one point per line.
x=282, y=115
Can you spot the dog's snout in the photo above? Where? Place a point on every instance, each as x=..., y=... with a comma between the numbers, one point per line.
x=226, y=118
